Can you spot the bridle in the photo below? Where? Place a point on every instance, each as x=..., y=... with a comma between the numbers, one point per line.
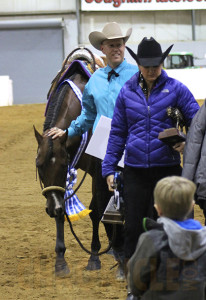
x=48, y=188
x=56, y=187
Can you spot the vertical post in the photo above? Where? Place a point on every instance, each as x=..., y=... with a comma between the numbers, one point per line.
x=78, y=21
x=193, y=25
x=63, y=46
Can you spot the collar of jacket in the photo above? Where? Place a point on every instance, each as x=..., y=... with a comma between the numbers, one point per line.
x=149, y=224
x=118, y=69
x=135, y=80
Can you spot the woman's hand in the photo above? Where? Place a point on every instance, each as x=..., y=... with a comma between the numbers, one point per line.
x=56, y=132
x=110, y=182
x=179, y=147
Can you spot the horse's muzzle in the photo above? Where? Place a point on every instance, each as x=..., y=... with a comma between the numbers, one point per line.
x=57, y=213
x=55, y=205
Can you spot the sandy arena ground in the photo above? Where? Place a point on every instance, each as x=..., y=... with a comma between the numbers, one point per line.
x=28, y=235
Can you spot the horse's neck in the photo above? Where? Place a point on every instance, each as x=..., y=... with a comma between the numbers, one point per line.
x=71, y=106
x=69, y=111
x=80, y=81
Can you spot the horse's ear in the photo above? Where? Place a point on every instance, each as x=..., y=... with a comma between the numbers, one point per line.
x=38, y=136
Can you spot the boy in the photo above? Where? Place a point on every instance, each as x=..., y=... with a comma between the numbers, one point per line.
x=170, y=259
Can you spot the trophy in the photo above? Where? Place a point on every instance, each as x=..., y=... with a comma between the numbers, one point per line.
x=174, y=135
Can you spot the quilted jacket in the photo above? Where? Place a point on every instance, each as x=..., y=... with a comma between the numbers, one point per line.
x=137, y=122
x=194, y=164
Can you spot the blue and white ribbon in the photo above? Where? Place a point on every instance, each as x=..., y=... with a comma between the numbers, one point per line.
x=75, y=89
x=74, y=208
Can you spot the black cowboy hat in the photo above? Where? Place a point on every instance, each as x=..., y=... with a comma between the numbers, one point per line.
x=149, y=53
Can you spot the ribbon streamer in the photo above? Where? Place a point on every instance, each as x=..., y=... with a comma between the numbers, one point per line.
x=74, y=208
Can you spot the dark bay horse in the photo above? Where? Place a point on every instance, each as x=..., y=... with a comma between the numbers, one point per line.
x=53, y=156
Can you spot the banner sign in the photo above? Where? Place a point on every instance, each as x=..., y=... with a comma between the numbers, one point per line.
x=141, y=5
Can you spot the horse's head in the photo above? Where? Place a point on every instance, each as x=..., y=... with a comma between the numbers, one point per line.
x=52, y=163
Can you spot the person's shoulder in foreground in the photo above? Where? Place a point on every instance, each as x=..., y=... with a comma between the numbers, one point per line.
x=170, y=258
x=194, y=158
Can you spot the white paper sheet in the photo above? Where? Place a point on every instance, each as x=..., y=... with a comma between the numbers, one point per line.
x=97, y=146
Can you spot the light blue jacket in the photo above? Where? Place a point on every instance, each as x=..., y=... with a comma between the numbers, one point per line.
x=99, y=97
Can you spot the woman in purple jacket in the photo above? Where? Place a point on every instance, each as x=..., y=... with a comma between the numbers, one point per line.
x=140, y=115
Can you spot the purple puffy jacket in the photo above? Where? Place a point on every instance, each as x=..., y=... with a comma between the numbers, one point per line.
x=137, y=122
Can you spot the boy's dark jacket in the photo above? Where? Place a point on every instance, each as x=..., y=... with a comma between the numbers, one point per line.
x=169, y=263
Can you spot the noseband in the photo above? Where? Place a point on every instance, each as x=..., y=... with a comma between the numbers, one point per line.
x=52, y=188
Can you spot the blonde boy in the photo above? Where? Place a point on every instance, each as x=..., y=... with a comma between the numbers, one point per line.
x=173, y=197
x=170, y=259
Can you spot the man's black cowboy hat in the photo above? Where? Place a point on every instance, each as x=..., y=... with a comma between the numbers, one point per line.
x=149, y=53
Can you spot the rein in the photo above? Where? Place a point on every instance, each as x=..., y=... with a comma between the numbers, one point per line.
x=86, y=250
x=61, y=189
x=74, y=192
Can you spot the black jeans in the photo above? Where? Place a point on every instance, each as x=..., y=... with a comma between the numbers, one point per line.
x=139, y=184
x=103, y=197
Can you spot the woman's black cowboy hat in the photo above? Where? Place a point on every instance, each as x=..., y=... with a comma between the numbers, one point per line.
x=149, y=53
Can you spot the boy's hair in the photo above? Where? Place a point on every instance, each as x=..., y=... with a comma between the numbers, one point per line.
x=174, y=195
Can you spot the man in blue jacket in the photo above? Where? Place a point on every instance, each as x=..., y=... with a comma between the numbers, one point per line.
x=140, y=115
x=99, y=99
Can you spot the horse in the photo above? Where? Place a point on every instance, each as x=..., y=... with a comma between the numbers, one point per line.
x=53, y=156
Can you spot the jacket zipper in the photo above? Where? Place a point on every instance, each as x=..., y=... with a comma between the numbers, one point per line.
x=148, y=108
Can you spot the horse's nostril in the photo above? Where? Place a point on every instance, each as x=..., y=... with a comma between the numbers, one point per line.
x=50, y=213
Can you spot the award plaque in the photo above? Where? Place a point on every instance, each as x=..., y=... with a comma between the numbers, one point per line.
x=173, y=135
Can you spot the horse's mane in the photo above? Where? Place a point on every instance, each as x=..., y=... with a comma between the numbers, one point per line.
x=57, y=99
x=53, y=110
